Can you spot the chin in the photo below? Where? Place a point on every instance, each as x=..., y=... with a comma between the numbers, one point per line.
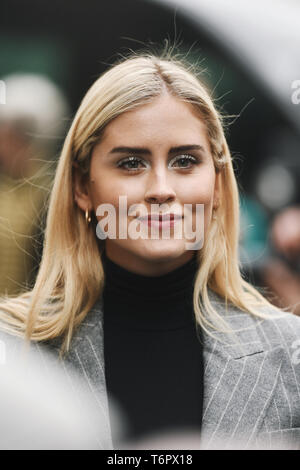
x=159, y=250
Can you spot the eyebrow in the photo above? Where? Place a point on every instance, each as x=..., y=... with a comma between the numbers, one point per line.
x=145, y=151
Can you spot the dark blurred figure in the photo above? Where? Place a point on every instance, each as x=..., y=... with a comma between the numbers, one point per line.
x=270, y=235
x=282, y=273
x=286, y=233
x=31, y=122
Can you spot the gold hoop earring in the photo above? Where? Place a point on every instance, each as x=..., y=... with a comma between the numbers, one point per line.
x=87, y=217
x=214, y=215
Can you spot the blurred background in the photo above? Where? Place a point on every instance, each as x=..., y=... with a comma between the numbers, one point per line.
x=51, y=52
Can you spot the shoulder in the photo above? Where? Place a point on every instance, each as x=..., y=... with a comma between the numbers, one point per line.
x=281, y=326
x=91, y=327
x=271, y=327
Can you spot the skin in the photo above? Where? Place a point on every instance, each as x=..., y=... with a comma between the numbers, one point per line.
x=164, y=123
x=285, y=232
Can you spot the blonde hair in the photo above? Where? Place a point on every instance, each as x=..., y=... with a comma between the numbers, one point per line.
x=71, y=276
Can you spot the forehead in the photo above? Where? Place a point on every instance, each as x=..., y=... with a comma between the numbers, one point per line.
x=164, y=118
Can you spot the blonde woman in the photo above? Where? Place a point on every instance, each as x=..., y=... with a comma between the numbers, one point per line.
x=164, y=326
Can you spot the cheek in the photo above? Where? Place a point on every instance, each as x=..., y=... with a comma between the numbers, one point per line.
x=102, y=194
x=199, y=190
x=110, y=189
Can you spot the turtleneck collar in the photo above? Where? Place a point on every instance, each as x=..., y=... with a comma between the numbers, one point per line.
x=160, y=287
x=149, y=302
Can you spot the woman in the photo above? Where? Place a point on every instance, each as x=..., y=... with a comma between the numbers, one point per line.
x=187, y=343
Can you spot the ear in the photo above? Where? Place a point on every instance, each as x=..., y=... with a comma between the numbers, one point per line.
x=81, y=189
x=217, y=190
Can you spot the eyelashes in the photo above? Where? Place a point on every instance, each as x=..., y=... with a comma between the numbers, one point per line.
x=186, y=159
x=131, y=161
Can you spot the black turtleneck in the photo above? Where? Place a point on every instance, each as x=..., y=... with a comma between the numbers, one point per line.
x=153, y=356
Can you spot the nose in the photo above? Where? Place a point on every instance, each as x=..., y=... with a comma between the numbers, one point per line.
x=158, y=189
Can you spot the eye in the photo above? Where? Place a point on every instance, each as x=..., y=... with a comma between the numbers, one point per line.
x=131, y=162
x=183, y=160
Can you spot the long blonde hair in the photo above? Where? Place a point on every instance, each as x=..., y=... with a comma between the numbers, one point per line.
x=71, y=276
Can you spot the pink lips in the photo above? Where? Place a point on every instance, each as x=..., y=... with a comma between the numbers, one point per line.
x=161, y=220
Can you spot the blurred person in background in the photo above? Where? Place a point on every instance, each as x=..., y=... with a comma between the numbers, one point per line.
x=282, y=273
x=31, y=122
x=286, y=233
x=175, y=335
x=270, y=235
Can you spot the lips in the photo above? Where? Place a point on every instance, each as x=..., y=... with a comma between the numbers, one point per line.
x=161, y=217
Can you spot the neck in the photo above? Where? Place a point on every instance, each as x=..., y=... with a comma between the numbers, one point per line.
x=147, y=267
x=164, y=301
x=162, y=286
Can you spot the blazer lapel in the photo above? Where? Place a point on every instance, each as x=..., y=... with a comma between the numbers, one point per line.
x=240, y=378
x=86, y=356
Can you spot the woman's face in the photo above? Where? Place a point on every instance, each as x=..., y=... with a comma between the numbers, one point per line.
x=155, y=174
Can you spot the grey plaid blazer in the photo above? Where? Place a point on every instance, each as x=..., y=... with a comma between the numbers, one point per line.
x=251, y=379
